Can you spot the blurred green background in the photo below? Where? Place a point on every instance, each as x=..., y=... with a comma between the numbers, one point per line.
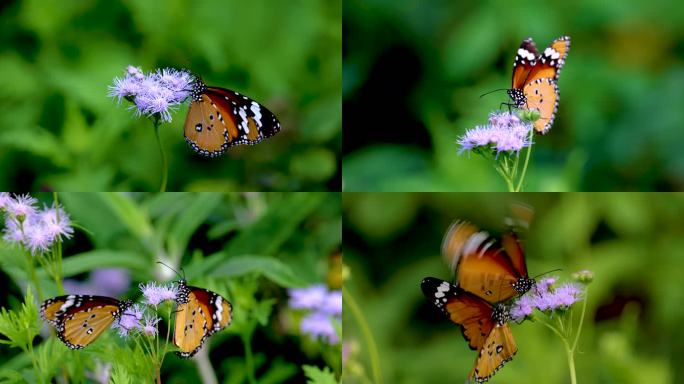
x=414, y=70
x=61, y=132
x=632, y=242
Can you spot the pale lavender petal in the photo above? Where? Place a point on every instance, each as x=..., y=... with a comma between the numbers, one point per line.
x=319, y=325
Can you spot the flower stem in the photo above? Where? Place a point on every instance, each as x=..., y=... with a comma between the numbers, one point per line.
x=249, y=358
x=527, y=160
x=579, y=327
x=34, y=278
x=165, y=164
x=350, y=302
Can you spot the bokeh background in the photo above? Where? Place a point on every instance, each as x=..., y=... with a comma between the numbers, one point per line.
x=414, y=70
x=248, y=247
x=61, y=132
x=631, y=241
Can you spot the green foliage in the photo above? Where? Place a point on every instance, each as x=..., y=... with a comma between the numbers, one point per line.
x=63, y=132
x=316, y=375
x=619, y=120
x=22, y=326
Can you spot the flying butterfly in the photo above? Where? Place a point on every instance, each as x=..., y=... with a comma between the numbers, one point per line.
x=485, y=326
x=535, y=79
x=200, y=314
x=493, y=269
x=80, y=319
x=219, y=118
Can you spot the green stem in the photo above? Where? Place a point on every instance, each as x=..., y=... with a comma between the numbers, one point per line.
x=569, y=352
x=527, y=161
x=249, y=358
x=350, y=302
x=32, y=272
x=579, y=328
x=165, y=164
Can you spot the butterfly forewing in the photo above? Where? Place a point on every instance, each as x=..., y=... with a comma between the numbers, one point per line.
x=525, y=60
x=550, y=62
x=255, y=121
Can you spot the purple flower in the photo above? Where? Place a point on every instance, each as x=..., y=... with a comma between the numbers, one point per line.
x=5, y=200
x=155, y=294
x=546, y=297
x=36, y=238
x=333, y=304
x=319, y=325
x=13, y=232
x=57, y=223
x=22, y=206
x=505, y=133
x=153, y=94
x=312, y=297
x=149, y=326
x=130, y=320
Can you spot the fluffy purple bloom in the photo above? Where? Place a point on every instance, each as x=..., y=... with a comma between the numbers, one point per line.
x=155, y=93
x=505, y=133
x=56, y=222
x=156, y=293
x=319, y=325
x=333, y=304
x=22, y=206
x=312, y=297
x=130, y=320
x=37, y=239
x=5, y=200
x=149, y=326
x=545, y=297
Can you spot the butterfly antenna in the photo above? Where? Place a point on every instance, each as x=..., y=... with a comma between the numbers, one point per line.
x=496, y=90
x=546, y=273
x=167, y=266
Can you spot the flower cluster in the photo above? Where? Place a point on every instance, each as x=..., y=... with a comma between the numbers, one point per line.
x=36, y=229
x=325, y=306
x=546, y=297
x=504, y=133
x=135, y=319
x=156, y=293
x=154, y=93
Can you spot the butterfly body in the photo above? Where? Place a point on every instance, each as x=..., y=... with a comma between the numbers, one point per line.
x=219, y=118
x=484, y=325
x=535, y=76
x=80, y=319
x=200, y=314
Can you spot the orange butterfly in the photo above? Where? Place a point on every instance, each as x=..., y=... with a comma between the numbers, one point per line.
x=200, y=314
x=535, y=79
x=219, y=118
x=484, y=326
x=80, y=319
x=495, y=270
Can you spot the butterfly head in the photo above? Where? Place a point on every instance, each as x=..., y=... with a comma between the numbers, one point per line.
x=517, y=96
x=523, y=285
x=198, y=88
x=500, y=314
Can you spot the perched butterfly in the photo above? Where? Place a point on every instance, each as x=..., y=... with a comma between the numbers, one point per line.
x=492, y=269
x=484, y=326
x=535, y=79
x=80, y=319
x=200, y=314
x=219, y=118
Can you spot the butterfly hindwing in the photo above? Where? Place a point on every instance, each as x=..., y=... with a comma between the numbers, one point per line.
x=542, y=95
x=498, y=349
x=219, y=118
x=200, y=314
x=80, y=319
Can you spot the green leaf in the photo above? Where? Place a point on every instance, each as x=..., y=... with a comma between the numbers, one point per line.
x=190, y=218
x=316, y=375
x=269, y=267
x=20, y=327
x=87, y=261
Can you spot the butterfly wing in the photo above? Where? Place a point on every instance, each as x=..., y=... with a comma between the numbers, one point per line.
x=206, y=129
x=498, y=349
x=473, y=314
x=255, y=122
x=542, y=95
x=482, y=266
x=550, y=62
x=80, y=319
x=200, y=314
x=525, y=60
